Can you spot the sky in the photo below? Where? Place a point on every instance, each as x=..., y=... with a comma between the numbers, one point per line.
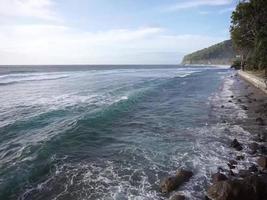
x=109, y=31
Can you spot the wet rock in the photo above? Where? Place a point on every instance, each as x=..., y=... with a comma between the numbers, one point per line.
x=232, y=164
x=171, y=183
x=263, y=149
x=240, y=157
x=178, y=197
x=230, y=101
x=218, y=177
x=262, y=162
x=231, y=173
x=244, y=107
x=236, y=145
x=232, y=96
x=222, y=106
x=250, y=188
x=253, y=147
x=253, y=168
x=243, y=173
x=260, y=121
x=261, y=137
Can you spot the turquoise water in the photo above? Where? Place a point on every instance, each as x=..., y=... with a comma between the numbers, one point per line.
x=107, y=133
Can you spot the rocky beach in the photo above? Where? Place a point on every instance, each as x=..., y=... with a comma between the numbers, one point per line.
x=245, y=176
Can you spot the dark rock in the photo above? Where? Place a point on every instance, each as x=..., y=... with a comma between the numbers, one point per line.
x=262, y=162
x=171, y=183
x=261, y=137
x=250, y=188
x=232, y=96
x=231, y=173
x=263, y=149
x=240, y=157
x=230, y=101
x=218, y=177
x=239, y=100
x=232, y=164
x=253, y=147
x=235, y=144
x=260, y=121
x=253, y=168
x=244, y=107
x=243, y=173
x=178, y=197
x=222, y=106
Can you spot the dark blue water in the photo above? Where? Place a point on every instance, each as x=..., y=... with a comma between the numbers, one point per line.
x=109, y=133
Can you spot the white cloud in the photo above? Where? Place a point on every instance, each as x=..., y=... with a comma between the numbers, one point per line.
x=40, y=9
x=196, y=3
x=54, y=44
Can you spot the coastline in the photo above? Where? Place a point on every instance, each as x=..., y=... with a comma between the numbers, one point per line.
x=249, y=183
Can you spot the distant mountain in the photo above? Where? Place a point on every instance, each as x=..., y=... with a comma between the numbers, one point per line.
x=218, y=54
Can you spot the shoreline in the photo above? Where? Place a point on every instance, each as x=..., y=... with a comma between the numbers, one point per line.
x=249, y=183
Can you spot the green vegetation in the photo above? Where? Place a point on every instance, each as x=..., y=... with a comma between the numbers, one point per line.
x=220, y=54
x=249, y=34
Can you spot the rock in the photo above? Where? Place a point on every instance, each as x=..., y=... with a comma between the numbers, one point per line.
x=253, y=168
x=253, y=147
x=171, y=183
x=260, y=121
x=261, y=137
x=235, y=144
x=222, y=106
x=231, y=173
x=250, y=188
x=240, y=157
x=230, y=101
x=263, y=149
x=243, y=173
x=262, y=162
x=244, y=107
x=232, y=164
x=239, y=100
x=232, y=96
x=218, y=177
x=178, y=197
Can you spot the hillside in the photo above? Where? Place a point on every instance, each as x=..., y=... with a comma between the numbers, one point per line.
x=220, y=54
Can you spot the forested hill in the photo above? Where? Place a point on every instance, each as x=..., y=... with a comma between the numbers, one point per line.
x=219, y=54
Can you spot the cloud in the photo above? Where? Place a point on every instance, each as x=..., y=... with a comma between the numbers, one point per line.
x=40, y=9
x=196, y=3
x=55, y=44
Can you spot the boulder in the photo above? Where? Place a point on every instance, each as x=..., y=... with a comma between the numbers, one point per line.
x=173, y=182
x=235, y=144
x=218, y=177
x=250, y=188
x=262, y=162
x=178, y=197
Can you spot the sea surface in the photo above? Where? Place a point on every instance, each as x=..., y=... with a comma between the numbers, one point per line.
x=113, y=132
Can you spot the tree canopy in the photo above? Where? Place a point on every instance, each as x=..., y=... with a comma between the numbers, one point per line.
x=249, y=33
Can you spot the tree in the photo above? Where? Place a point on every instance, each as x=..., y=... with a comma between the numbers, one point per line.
x=249, y=33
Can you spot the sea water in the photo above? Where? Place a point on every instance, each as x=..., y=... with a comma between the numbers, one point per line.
x=112, y=132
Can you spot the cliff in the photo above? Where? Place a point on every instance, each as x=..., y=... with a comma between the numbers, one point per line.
x=218, y=54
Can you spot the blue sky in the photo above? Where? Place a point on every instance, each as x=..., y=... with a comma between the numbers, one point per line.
x=109, y=31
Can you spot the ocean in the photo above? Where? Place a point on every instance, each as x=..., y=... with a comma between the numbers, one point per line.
x=112, y=132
